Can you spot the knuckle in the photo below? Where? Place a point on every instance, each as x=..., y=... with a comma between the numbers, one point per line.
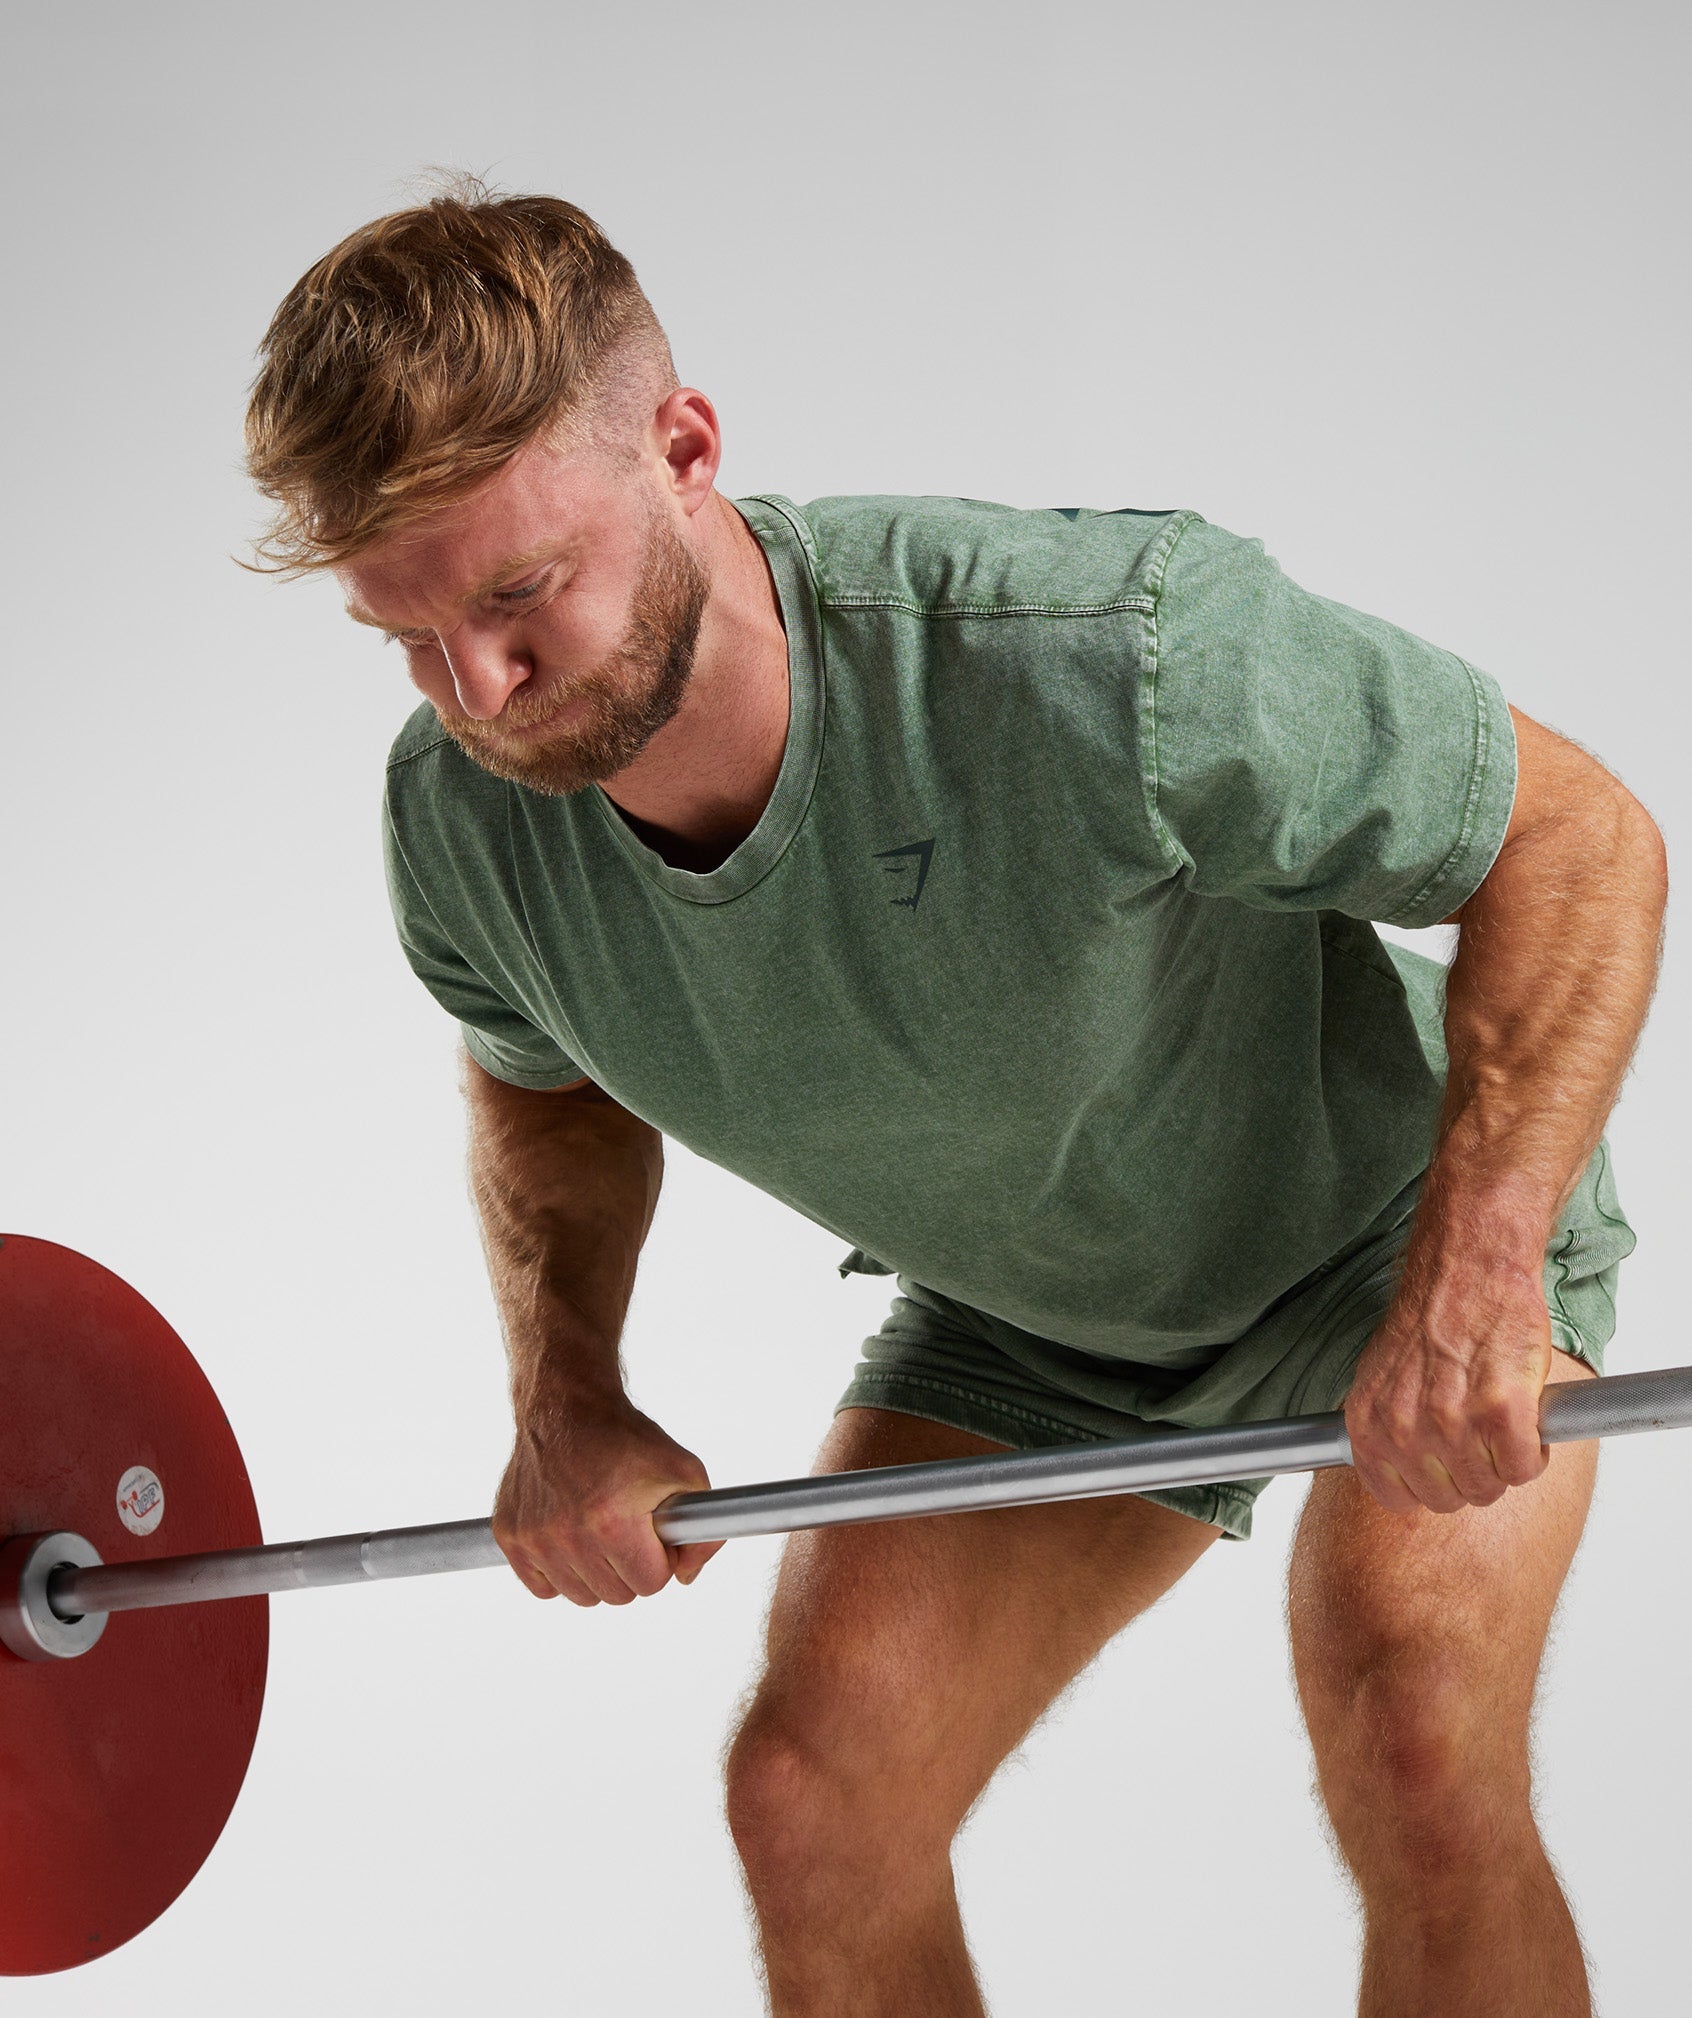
x=1371, y=1448
x=1399, y=1426
x=1450, y=1423
x=1510, y=1415
x=602, y=1517
x=532, y=1580
x=1476, y=1484
x=1385, y=1485
x=1520, y=1467
x=1441, y=1494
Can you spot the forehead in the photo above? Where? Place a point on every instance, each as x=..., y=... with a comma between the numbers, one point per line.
x=544, y=501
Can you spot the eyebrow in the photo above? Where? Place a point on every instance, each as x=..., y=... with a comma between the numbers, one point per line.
x=518, y=564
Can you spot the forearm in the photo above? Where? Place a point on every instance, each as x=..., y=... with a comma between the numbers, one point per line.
x=1556, y=960
x=565, y=1184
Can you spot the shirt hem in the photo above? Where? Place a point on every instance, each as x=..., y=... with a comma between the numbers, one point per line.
x=531, y=1080
x=1487, y=807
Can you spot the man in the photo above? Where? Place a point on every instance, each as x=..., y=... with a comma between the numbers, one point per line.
x=995, y=887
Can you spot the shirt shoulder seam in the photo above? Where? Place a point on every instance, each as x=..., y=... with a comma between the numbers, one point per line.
x=844, y=600
x=849, y=600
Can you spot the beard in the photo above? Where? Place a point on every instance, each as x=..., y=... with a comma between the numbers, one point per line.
x=617, y=707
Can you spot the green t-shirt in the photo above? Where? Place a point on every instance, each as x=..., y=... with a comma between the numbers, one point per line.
x=1045, y=977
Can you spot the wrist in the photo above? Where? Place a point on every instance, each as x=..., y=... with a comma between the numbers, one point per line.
x=1502, y=1168
x=565, y=1379
x=1467, y=1230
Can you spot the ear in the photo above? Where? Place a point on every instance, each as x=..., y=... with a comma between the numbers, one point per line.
x=690, y=441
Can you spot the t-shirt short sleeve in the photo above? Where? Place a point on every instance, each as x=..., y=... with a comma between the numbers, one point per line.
x=1303, y=756
x=496, y=1034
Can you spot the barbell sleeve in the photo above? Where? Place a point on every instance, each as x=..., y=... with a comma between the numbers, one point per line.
x=1156, y=1460
x=281, y=1566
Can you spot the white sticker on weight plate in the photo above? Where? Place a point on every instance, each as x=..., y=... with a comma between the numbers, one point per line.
x=140, y=1500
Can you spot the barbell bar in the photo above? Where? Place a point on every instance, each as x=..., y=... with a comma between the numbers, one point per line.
x=1570, y=1412
x=127, y=1725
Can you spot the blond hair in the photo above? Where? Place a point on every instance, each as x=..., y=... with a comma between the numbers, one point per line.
x=415, y=359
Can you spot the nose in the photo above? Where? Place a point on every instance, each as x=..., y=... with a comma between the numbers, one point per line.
x=485, y=672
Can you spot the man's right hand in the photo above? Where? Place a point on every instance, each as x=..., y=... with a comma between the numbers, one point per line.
x=574, y=1510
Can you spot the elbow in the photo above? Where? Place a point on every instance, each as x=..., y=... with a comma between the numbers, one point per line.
x=1645, y=849
x=1594, y=838
x=1620, y=838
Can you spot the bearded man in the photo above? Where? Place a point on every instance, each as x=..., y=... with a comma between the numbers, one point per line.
x=998, y=888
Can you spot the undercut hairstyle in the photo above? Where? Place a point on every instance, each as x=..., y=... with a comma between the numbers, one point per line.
x=415, y=359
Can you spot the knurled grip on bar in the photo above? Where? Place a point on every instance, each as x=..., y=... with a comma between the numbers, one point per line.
x=1621, y=1404
x=1570, y=1412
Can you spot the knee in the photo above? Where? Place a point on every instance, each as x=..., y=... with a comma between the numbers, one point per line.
x=777, y=1791
x=1414, y=1757
x=1413, y=1722
x=811, y=1795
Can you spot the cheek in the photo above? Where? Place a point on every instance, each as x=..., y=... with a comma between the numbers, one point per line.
x=565, y=638
x=428, y=673
x=582, y=625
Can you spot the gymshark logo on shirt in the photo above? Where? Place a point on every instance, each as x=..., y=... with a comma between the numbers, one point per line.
x=900, y=861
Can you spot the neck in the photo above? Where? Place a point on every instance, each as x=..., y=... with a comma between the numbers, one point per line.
x=697, y=789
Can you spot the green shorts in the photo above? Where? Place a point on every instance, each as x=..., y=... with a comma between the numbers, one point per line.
x=937, y=1358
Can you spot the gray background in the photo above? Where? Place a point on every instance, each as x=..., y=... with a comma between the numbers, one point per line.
x=1401, y=290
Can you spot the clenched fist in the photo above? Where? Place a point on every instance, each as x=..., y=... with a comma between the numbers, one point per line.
x=1444, y=1411
x=574, y=1509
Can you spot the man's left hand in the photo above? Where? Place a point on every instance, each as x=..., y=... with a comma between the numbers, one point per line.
x=1444, y=1411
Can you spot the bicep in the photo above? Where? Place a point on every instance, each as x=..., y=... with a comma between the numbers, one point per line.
x=502, y=1112
x=1561, y=788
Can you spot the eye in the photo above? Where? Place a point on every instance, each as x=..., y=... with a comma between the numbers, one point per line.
x=554, y=577
x=408, y=637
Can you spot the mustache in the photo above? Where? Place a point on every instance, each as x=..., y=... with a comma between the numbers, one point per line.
x=527, y=710
x=532, y=710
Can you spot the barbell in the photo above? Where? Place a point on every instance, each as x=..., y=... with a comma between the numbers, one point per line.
x=122, y=1490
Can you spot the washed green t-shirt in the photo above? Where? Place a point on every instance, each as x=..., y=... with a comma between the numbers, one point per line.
x=1046, y=977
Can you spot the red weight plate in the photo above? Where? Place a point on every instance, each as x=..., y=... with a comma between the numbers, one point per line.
x=118, y=1769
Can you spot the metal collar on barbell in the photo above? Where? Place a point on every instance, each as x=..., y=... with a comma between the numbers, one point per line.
x=34, y=1629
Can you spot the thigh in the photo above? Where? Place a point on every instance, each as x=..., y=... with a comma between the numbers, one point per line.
x=1436, y=1621
x=921, y=1651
